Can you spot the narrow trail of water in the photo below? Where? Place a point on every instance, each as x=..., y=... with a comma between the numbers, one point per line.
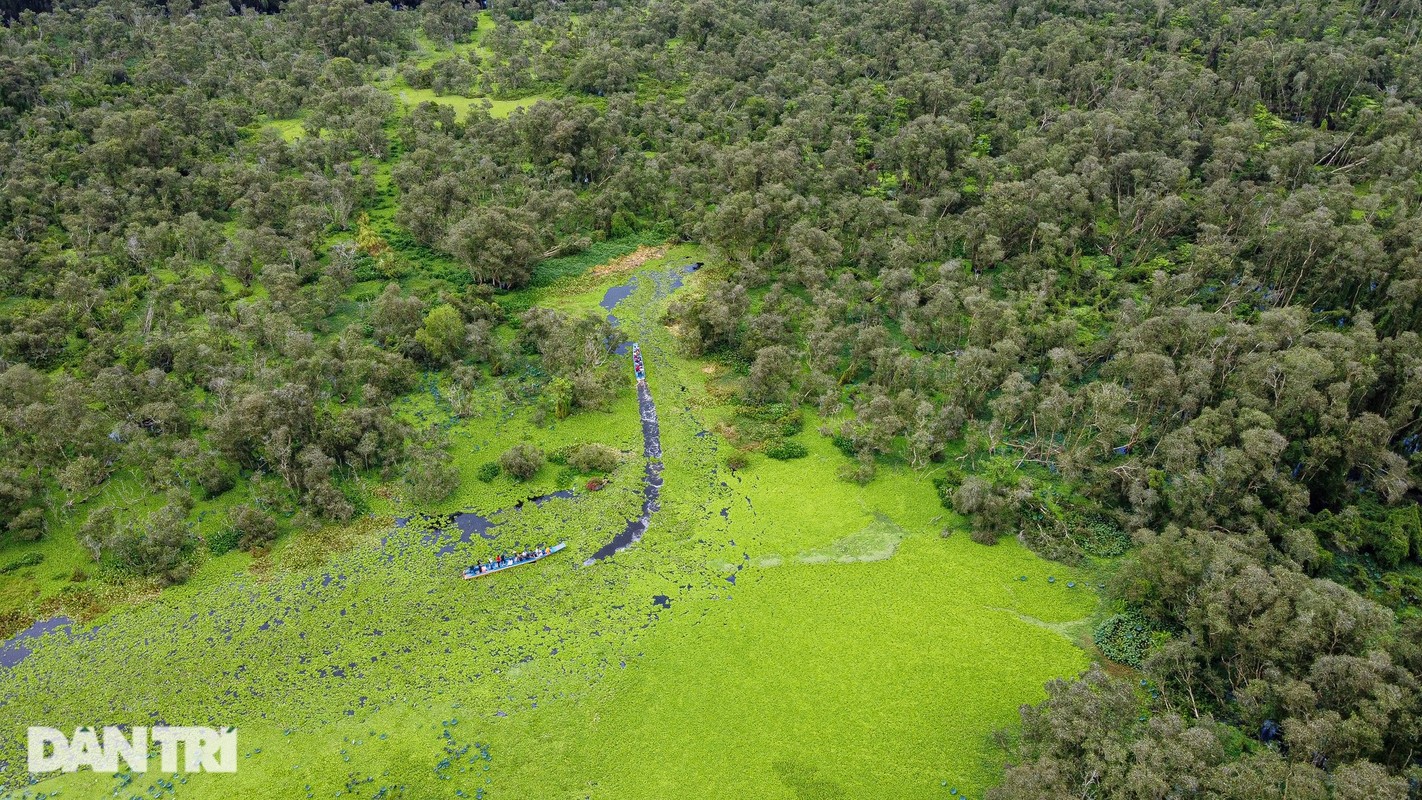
x=652, y=480
x=666, y=283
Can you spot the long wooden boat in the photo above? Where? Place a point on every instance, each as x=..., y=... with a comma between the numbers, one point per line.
x=501, y=564
x=637, y=362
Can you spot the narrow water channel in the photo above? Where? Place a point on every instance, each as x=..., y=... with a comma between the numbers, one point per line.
x=669, y=282
x=652, y=478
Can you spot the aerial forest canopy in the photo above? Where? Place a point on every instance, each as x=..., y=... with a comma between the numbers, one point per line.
x=1142, y=281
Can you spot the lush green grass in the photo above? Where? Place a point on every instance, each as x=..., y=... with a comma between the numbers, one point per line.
x=427, y=54
x=569, y=286
x=859, y=653
x=67, y=580
x=462, y=105
x=290, y=129
x=489, y=429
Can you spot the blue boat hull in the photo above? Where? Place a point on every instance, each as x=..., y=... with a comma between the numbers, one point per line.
x=474, y=572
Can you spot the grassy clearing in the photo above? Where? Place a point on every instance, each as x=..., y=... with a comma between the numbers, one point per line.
x=561, y=271
x=857, y=653
x=493, y=426
x=290, y=129
x=427, y=54
x=462, y=106
x=64, y=580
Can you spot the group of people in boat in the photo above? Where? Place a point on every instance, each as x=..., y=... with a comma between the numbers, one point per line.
x=637, y=360
x=506, y=560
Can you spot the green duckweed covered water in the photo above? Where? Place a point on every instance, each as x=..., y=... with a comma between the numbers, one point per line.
x=856, y=653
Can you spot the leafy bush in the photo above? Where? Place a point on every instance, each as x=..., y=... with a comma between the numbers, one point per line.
x=522, y=461
x=214, y=476
x=28, y=525
x=769, y=412
x=785, y=450
x=1390, y=534
x=430, y=474
x=785, y=417
x=159, y=546
x=1124, y=638
x=769, y=422
x=594, y=458
x=862, y=471
x=487, y=472
x=223, y=541
x=432, y=263
x=994, y=504
x=946, y=483
x=1101, y=538
x=253, y=526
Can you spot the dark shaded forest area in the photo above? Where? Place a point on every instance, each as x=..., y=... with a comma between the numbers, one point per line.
x=10, y=10
x=1139, y=280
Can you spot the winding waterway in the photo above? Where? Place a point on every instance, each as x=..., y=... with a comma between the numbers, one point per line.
x=651, y=432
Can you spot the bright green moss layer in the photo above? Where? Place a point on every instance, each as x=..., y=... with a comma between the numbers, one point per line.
x=861, y=680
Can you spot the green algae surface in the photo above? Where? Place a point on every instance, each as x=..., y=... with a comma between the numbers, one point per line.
x=777, y=632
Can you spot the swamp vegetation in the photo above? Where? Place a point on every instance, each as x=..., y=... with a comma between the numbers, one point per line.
x=1036, y=345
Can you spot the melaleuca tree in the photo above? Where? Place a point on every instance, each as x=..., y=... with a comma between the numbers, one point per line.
x=498, y=245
